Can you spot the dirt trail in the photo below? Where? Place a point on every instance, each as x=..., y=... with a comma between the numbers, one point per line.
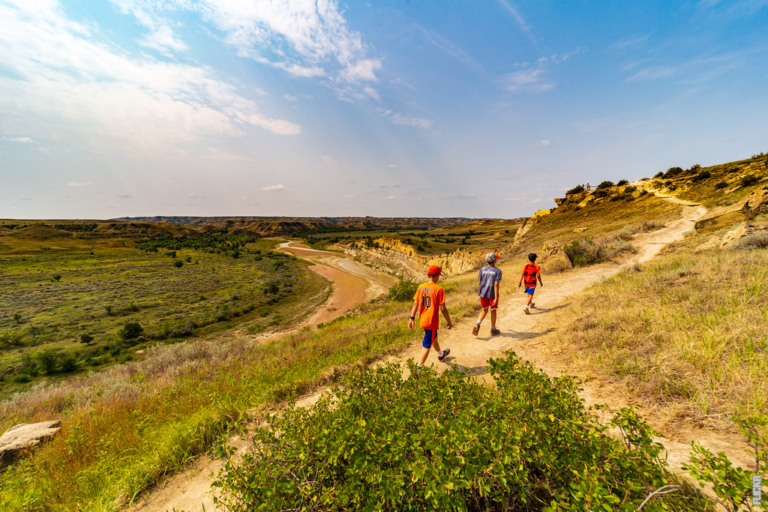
x=530, y=336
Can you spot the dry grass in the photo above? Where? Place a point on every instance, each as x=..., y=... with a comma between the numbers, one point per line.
x=687, y=328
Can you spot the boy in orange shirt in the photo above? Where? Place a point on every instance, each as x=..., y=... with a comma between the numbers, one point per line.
x=428, y=299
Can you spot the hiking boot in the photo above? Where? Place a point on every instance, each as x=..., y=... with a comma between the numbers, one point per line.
x=445, y=353
x=495, y=332
x=527, y=311
x=475, y=329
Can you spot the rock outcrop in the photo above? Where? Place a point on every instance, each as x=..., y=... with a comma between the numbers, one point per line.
x=554, y=258
x=23, y=437
x=746, y=209
x=394, y=256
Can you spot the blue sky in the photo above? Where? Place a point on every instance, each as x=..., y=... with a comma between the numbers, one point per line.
x=391, y=108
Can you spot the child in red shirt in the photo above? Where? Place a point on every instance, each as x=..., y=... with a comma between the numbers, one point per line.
x=531, y=271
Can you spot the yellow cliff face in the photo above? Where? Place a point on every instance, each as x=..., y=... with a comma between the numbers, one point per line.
x=393, y=256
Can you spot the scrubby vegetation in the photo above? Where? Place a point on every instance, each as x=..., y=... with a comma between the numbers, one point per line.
x=403, y=291
x=449, y=442
x=104, y=296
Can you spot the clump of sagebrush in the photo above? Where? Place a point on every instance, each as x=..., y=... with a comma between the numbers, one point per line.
x=404, y=290
x=756, y=240
x=449, y=442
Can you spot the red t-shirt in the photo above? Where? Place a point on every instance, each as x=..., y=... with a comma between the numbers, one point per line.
x=429, y=297
x=530, y=272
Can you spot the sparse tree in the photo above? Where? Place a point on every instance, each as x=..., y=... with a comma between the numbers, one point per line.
x=130, y=331
x=10, y=338
x=178, y=263
x=56, y=278
x=108, y=309
x=605, y=184
x=17, y=317
x=86, y=339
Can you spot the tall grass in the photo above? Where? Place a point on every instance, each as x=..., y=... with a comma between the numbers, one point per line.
x=688, y=328
x=126, y=427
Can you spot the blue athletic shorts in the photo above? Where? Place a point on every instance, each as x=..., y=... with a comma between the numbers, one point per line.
x=530, y=290
x=429, y=335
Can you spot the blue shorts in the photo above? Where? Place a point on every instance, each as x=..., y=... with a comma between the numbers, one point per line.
x=429, y=335
x=530, y=290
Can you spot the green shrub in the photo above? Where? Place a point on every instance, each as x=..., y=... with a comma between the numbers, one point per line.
x=68, y=363
x=277, y=264
x=748, y=180
x=621, y=183
x=178, y=263
x=86, y=338
x=47, y=360
x=721, y=184
x=630, y=189
x=130, y=331
x=17, y=317
x=673, y=171
x=108, y=310
x=659, y=174
x=10, y=338
x=605, y=184
x=56, y=278
x=449, y=442
x=703, y=175
x=21, y=378
x=756, y=240
x=403, y=291
x=575, y=190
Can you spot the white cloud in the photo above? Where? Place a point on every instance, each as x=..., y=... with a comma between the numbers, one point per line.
x=402, y=120
x=388, y=198
x=298, y=36
x=540, y=144
x=79, y=184
x=392, y=166
x=163, y=39
x=652, y=73
x=526, y=81
x=24, y=140
x=288, y=97
x=328, y=159
x=74, y=86
x=370, y=91
x=273, y=188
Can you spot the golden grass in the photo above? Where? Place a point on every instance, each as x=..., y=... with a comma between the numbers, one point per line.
x=687, y=328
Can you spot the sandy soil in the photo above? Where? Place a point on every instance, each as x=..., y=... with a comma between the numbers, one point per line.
x=533, y=337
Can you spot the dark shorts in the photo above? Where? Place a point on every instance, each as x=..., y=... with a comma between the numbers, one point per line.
x=429, y=336
x=530, y=289
x=488, y=303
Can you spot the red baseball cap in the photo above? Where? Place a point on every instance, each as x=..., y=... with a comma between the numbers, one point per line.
x=434, y=270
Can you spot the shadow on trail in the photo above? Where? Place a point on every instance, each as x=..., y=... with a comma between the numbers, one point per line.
x=518, y=335
x=475, y=371
x=538, y=310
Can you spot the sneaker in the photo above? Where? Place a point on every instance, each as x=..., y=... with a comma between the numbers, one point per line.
x=533, y=305
x=527, y=311
x=495, y=332
x=475, y=329
x=445, y=353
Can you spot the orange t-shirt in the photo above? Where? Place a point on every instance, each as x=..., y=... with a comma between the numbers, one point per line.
x=430, y=297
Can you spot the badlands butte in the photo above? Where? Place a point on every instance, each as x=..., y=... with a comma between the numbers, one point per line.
x=262, y=363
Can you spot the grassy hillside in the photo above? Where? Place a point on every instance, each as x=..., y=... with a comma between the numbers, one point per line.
x=65, y=310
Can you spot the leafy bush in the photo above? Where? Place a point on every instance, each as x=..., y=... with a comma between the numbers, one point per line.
x=130, y=331
x=694, y=168
x=721, y=184
x=659, y=174
x=68, y=363
x=630, y=189
x=673, y=171
x=277, y=264
x=575, y=190
x=56, y=278
x=17, y=318
x=605, y=184
x=47, y=360
x=748, y=180
x=21, y=378
x=449, y=442
x=621, y=183
x=86, y=338
x=703, y=175
x=10, y=338
x=403, y=291
x=108, y=310
x=178, y=263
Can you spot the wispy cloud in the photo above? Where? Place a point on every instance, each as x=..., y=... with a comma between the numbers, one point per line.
x=526, y=81
x=402, y=120
x=63, y=76
x=79, y=184
x=450, y=48
x=305, y=39
x=215, y=154
x=328, y=159
x=392, y=166
x=370, y=91
x=24, y=140
x=541, y=144
x=290, y=98
x=519, y=19
x=388, y=198
x=273, y=188
x=631, y=41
